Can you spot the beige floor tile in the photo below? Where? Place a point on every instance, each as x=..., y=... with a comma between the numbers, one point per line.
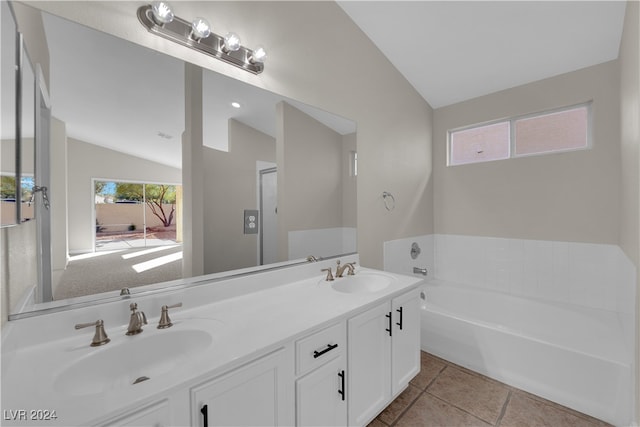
x=399, y=405
x=524, y=410
x=429, y=411
x=376, y=423
x=592, y=420
x=430, y=367
x=477, y=395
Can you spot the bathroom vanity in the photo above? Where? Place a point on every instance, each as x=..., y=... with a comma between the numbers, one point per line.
x=283, y=347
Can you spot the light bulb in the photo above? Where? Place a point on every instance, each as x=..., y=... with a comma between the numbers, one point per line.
x=200, y=28
x=259, y=55
x=162, y=12
x=231, y=42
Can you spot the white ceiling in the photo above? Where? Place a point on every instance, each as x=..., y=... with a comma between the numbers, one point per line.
x=451, y=51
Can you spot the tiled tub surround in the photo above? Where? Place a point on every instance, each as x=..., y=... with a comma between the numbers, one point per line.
x=249, y=316
x=553, y=318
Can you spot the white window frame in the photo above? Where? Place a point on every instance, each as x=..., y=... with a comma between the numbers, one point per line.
x=512, y=132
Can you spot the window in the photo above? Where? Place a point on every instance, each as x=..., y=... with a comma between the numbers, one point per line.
x=480, y=144
x=548, y=132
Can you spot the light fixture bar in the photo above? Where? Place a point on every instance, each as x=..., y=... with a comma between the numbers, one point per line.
x=179, y=31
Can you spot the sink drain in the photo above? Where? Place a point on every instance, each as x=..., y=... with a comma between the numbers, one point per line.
x=141, y=379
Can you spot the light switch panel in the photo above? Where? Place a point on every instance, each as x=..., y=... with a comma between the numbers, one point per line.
x=250, y=221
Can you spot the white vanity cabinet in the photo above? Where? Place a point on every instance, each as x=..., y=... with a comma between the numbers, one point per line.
x=256, y=394
x=405, y=348
x=383, y=355
x=321, y=385
x=304, y=353
x=154, y=415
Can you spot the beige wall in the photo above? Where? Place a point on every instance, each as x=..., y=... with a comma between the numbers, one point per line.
x=310, y=173
x=230, y=188
x=58, y=196
x=571, y=196
x=394, y=122
x=87, y=161
x=349, y=183
x=630, y=155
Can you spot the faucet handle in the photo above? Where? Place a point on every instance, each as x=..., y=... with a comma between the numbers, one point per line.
x=165, y=322
x=329, y=275
x=100, y=337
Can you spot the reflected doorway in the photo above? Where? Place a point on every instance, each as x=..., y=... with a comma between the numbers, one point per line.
x=268, y=203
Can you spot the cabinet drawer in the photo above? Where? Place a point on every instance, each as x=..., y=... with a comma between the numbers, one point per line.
x=319, y=348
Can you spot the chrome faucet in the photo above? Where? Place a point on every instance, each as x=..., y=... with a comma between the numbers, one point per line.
x=340, y=269
x=136, y=321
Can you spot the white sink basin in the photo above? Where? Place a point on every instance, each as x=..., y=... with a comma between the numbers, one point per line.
x=134, y=358
x=361, y=283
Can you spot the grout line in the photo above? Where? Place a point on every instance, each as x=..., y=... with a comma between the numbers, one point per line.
x=459, y=408
x=436, y=377
x=406, y=409
x=504, y=408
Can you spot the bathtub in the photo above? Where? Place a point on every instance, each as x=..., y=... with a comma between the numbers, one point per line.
x=571, y=355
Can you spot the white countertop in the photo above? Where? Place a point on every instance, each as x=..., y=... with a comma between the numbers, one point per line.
x=242, y=327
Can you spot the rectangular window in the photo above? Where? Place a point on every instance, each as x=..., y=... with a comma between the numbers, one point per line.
x=548, y=132
x=480, y=144
x=558, y=131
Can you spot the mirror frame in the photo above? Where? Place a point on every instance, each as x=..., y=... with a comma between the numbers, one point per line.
x=158, y=288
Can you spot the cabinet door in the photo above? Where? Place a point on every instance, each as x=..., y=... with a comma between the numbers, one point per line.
x=320, y=396
x=405, y=352
x=369, y=361
x=257, y=394
x=156, y=415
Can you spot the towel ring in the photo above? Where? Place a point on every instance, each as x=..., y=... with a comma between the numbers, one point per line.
x=385, y=197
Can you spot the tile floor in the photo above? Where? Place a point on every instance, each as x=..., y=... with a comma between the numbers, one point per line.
x=445, y=394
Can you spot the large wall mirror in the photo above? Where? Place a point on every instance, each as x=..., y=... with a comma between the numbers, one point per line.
x=8, y=173
x=17, y=127
x=279, y=175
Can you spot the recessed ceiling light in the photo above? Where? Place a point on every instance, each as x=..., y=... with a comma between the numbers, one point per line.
x=235, y=105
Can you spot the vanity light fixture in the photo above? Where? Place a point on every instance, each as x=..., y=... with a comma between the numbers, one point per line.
x=200, y=29
x=158, y=18
x=162, y=13
x=231, y=42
